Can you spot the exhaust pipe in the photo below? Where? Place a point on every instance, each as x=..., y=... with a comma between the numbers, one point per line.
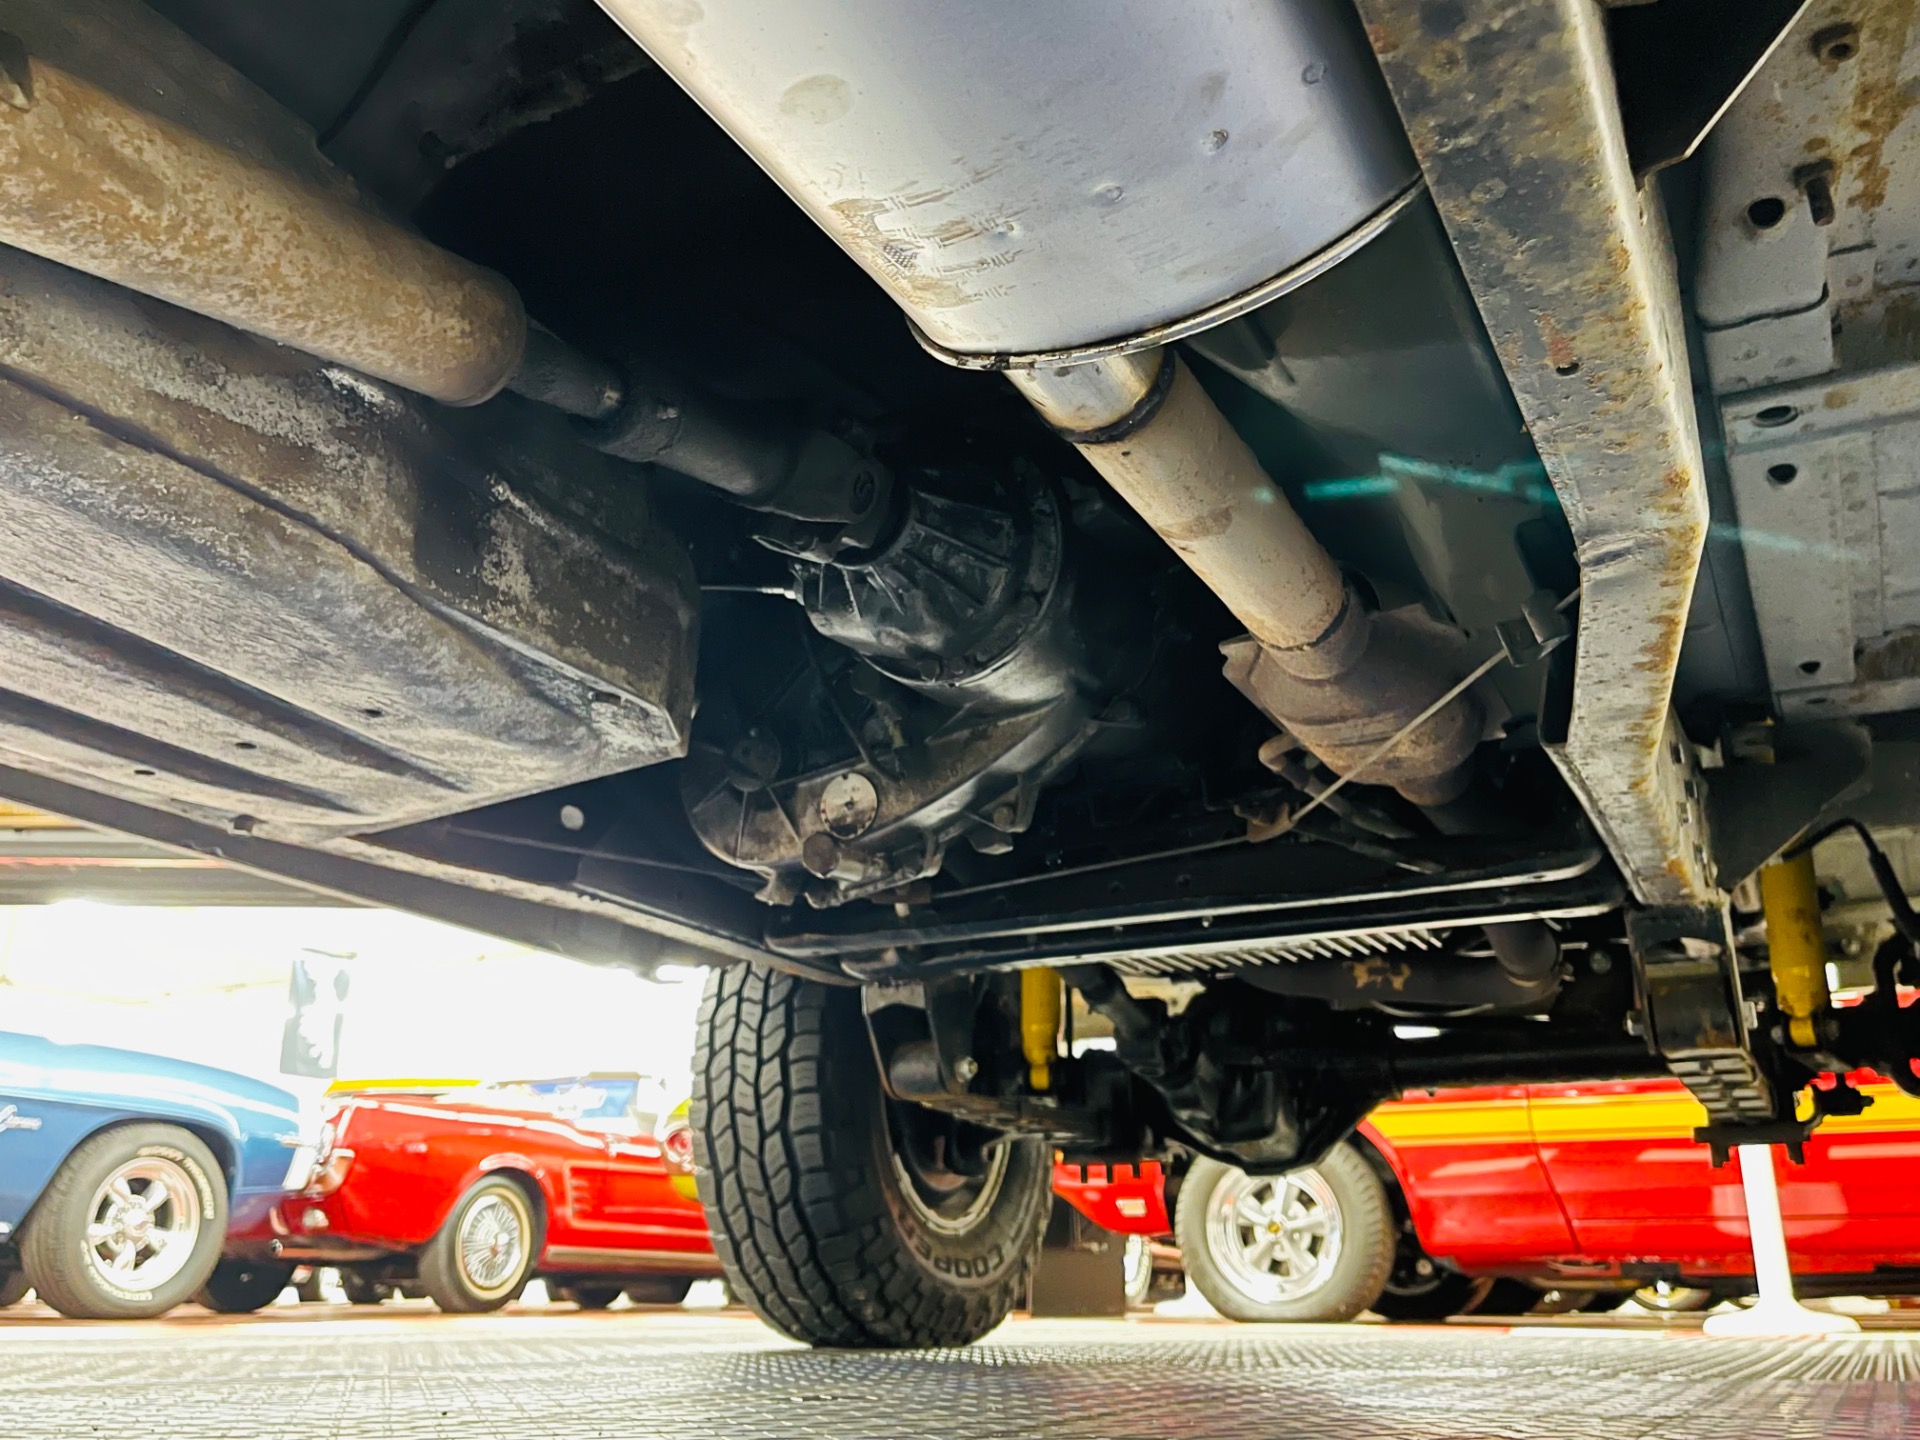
x=100, y=185
x=1339, y=680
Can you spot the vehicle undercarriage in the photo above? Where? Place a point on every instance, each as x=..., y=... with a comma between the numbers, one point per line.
x=1379, y=554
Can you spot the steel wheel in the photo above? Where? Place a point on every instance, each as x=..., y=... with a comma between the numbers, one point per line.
x=1277, y=1237
x=495, y=1235
x=142, y=1224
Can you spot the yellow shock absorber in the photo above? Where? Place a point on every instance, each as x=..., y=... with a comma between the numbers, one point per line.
x=1040, y=999
x=1796, y=949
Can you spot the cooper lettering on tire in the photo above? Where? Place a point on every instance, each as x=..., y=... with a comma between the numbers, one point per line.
x=835, y=1217
x=130, y=1225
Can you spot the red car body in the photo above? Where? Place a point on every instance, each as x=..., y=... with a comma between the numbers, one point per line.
x=613, y=1205
x=1603, y=1181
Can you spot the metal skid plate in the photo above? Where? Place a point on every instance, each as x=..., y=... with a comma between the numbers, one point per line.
x=269, y=595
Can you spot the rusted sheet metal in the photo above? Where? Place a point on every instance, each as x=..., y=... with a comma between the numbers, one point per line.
x=95, y=183
x=127, y=48
x=1511, y=109
x=261, y=591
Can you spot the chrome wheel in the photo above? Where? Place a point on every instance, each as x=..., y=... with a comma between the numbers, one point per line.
x=492, y=1242
x=142, y=1224
x=1276, y=1237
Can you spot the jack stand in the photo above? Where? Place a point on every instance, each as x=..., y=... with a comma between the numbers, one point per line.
x=1778, y=1312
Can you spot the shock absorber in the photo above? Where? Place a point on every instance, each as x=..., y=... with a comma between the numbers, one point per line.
x=1796, y=948
x=1040, y=1001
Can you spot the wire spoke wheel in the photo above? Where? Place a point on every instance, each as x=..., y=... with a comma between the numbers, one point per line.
x=143, y=1223
x=1277, y=1237
x=492, y=1242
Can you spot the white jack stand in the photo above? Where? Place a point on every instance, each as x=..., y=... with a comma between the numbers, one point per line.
x=1777, y=1312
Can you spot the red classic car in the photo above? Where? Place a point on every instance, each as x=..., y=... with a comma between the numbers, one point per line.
x=1487, y=1199
x=465, y=1194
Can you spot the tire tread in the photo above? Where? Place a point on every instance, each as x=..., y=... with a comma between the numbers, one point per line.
x=784, y=1176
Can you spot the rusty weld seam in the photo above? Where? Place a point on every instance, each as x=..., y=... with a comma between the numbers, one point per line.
x=1144, y=409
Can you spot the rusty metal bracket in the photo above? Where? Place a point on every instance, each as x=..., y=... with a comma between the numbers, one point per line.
x=1512, y=111
x=1688, y=978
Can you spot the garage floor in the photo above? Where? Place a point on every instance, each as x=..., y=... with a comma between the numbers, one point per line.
x=315, y=1371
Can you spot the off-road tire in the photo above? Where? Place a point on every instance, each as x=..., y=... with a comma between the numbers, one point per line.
x=240, y=1287
x=1359, y=1272
x=659, y=1289
x=796, y=1175
x=441, y=1276
x=53, y=1241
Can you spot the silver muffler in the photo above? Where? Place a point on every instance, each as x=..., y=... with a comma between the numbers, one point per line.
x=1046, y=183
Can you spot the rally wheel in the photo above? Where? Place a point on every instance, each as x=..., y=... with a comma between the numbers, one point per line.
x=1316, y=1243
x=130, y=1225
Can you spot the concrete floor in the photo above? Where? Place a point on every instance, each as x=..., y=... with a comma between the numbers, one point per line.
x=406, y=1371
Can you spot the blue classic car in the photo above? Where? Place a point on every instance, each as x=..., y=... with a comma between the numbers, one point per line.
x=131, y=1182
